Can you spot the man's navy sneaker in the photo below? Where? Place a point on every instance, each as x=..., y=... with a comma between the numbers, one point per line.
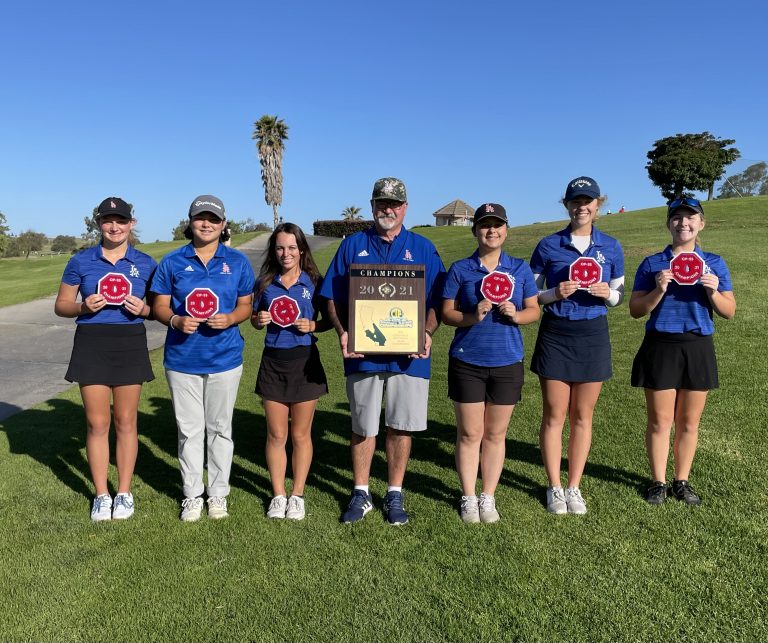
x=359, y=505
x=393, y=507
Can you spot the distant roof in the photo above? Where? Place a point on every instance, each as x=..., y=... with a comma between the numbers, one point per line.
x=455, y=208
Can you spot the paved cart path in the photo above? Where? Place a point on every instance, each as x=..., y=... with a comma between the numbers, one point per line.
x=37, y=344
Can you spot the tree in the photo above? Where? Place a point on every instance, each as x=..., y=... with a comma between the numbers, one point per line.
x=351, y=213
x=751, y=181
x=178, y=231
x=30, y=241
x=92, y=233
x=684, y=162
x=269, y=133
x=3, y=234
x=64, y=243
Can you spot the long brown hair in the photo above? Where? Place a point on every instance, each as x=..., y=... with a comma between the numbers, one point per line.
x=271, y=268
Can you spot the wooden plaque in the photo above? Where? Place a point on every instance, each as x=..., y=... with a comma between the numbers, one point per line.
x=387, y=308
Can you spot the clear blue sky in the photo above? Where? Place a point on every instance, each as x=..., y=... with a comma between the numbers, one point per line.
x=482, y=101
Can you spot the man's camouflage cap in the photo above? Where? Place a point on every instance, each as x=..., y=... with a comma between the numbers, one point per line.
x=389, y=188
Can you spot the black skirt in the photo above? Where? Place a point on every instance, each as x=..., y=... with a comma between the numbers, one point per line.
x=291, y=375
x=110, y=354
x=573, y=350
x=675, y=361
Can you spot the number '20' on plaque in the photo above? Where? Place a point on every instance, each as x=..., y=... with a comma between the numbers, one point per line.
x=386, y=308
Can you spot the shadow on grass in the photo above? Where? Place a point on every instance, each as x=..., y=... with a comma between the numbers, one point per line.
x=56, y=439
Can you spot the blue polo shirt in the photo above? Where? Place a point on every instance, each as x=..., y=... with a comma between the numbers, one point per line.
x=87, y=267
x=682, y=309
x=553, y=257
x=367, y=247
x=303, y=293
x=495, y=341
x=229, y=275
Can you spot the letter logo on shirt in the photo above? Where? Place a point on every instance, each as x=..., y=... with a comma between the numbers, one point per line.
x=306, y=294
x=408, y=256
x=134, y=271
x=600, y=257
x=225, y=269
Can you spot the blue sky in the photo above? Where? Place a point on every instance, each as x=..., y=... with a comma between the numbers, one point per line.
x=483, y=101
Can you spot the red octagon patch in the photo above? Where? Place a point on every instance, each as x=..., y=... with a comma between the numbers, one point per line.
x=114, y=287
x=497, y=287
x=202, y=303
x=585, y=271
x=284, y=310
x=687, y=268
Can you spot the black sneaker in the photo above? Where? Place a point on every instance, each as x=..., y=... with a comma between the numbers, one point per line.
x=683, y=491
x=657, y=493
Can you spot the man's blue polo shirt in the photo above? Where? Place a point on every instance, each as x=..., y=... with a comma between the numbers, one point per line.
x=495, y=341
x=553, y=257
x=303, y=293
x=682, y=309
x=87, y=267
x=229, y=275
x=367, y=247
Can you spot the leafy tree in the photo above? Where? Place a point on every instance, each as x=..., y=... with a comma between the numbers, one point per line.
x=3, y=234
x=235, y=227
x=747, y=183
x=178, y=231
x=30, y=241
x=270, y=132
x=684, y=162
x=64, y=243
x=351, y=213
x=92, y=234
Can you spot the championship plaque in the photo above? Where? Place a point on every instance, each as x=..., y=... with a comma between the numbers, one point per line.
x=114, y=287
x=687, y=268
x=387, y=308
x=202, y=303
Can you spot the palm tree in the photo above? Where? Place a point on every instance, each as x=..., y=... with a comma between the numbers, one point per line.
x=351, y=213
x=269, y=133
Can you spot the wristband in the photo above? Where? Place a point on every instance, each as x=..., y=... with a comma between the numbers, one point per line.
x=429, y=332
x=170, y=322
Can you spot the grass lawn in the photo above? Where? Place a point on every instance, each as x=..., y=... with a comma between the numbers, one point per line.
x=624, y=572
x=41, y=275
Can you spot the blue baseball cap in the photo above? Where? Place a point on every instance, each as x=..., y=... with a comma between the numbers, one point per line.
x=582, y=186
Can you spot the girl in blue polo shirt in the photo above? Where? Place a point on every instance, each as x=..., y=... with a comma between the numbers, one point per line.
x=109, y=356
x=291, y=377
x=573, y=352
x=485, y=368
x=203, y=291
x=676, y=362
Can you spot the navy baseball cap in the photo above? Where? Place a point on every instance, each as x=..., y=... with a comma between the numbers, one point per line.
x=490, y=211
x=582, y=186
x=114, y=205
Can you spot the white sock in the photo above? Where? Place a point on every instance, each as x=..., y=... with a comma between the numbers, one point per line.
x=361, y=487
x=391, y=488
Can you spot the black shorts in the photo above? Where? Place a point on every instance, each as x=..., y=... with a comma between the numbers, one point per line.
x=291, y=375
x=110, y=354
x=675, y=361
x=573, y=350
x=468, y=383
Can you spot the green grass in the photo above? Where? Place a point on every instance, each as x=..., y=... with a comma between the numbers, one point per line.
x=23, y=280
x=624, y=572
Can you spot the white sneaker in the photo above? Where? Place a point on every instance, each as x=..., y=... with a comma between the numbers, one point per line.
x=556, y=501
x=123, y=507
x=278, y=506
x=295, y=509
x=470, y=510
x=575, y=501
x=102, y=508
x=217, y=507
x=488, y=511
x=191, y=509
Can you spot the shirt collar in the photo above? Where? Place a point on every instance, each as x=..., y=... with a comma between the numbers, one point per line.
x=505, y=261
x=130, y=253
x=189, y=251
x=598, y=238
x=303, y=280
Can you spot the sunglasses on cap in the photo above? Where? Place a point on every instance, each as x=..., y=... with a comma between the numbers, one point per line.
x=691, y=203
